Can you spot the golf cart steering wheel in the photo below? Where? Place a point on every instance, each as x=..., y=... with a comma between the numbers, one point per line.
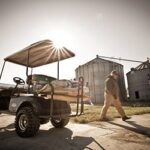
x=19, y=81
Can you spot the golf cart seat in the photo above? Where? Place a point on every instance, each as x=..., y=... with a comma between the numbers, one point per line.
x=38, y=81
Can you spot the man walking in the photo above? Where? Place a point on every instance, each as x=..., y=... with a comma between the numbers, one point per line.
x=111, y=96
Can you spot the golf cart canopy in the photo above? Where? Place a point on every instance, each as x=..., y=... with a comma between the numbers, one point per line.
x=39, y=53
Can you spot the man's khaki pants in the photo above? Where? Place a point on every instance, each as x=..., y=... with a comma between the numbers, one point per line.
x=109, y=99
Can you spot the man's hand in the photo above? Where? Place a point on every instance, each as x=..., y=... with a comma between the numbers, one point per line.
x=115, y=97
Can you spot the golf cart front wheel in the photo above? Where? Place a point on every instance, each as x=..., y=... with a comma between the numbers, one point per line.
x=26, y=122
x=59, y=122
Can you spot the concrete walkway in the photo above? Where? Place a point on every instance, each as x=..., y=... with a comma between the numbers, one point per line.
x=115, y=135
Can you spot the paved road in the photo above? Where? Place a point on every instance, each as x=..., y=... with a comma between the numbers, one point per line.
x=114, y=135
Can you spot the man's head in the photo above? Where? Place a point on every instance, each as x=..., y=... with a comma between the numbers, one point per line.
x=114, y=74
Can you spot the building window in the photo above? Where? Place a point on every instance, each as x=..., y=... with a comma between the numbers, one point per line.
x=137, y=96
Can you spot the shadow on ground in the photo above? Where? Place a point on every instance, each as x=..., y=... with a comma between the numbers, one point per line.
x=52, y=139
x=136, y=127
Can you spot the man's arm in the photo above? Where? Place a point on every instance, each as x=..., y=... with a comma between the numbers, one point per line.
x=110, y=88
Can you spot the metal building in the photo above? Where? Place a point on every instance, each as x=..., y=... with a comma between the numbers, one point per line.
x=139, y=82
x=95, y=72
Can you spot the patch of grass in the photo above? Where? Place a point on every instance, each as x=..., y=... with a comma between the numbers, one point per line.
x=92, y=113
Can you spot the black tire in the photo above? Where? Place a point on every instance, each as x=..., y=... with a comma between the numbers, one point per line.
x=27, y=122
x=44, y=120
x=59, y=123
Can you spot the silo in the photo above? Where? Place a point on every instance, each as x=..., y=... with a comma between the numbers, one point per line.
x=139, y=82
x=95, y=72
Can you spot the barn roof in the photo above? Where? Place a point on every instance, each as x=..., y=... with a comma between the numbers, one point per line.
x=100, y=60
x=144, y=65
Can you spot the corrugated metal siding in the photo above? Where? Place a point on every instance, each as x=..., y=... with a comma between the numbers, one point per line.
x=95, y=72
x=138, y=82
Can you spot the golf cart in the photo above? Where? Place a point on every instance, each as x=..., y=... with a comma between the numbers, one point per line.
x=31, y=107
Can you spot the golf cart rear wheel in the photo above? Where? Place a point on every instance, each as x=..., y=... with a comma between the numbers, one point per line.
x=59, y=122
x=26, y=123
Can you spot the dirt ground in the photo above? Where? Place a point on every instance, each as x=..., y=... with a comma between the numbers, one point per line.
x=114, y=135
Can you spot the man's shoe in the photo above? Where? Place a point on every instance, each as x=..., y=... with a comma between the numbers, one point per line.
x=125, y=118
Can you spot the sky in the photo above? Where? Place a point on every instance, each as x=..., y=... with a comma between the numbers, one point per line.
x=113, y=28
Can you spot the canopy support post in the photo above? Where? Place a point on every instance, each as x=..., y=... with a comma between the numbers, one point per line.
x=2, y=69
x=27, y=69
x=58, y=70
x=58, y=56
